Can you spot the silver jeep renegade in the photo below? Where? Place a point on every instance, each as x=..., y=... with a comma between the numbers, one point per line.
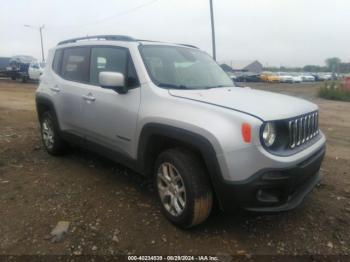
x=170, y=112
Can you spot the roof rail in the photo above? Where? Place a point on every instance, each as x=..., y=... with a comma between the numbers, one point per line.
x=111, y=38
x=193, y=46
x=144, y=40
x=99, y=37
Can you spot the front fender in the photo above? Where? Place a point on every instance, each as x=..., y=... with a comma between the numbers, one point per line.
x=199, y=142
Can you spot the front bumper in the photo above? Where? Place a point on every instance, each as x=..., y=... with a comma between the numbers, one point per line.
x=273, y=190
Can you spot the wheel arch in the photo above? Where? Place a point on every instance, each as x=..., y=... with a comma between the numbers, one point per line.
x=44, y=104
x=155, y=138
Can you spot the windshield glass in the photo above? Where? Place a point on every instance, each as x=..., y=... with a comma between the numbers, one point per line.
x=183, y=68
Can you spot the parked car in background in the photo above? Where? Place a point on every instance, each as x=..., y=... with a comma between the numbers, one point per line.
x=297, y=78
x=248, y=77
x=316, y=76
x=307, y=78
x=252, y=78
x=270, y=77
x=326, y=76
x=285, y=78
x=35, y=70
x=18, y=67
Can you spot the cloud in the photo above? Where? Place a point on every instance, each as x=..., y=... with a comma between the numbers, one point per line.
x=276, y=32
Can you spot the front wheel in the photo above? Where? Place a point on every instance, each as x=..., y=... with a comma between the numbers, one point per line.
x=183, y=187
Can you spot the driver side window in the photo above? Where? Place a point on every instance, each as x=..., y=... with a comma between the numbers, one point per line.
x=112, y=59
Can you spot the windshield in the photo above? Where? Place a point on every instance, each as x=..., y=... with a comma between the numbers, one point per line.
x=183, y=68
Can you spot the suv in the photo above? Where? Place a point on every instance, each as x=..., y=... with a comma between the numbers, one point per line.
x=170, y=112
x=18, y=67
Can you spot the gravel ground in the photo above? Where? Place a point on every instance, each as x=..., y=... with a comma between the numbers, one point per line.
x=111, y=210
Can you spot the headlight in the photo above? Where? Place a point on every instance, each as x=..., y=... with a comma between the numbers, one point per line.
x=269, y=134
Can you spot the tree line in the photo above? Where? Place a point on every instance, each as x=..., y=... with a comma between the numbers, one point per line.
x=332, y=64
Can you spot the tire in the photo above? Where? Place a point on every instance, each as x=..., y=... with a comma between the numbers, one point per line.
x=51, y=139
x=194, y=196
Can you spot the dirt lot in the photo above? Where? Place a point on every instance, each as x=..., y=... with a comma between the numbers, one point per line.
x=113, y=211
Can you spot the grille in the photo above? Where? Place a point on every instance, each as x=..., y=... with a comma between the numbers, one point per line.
x=302, y=129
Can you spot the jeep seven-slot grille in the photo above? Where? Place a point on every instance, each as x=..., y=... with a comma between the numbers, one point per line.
x=302, y=129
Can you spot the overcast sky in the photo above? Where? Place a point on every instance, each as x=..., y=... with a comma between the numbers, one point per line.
x=275, y=32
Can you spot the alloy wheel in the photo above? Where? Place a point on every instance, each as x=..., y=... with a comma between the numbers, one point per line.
x=48, y=133
x=171, y=189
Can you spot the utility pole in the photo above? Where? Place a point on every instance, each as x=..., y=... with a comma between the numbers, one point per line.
x=212, y=29
x=40, y=28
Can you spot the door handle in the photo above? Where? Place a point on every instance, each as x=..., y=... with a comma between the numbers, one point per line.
x=89, y=97
x=55, y=89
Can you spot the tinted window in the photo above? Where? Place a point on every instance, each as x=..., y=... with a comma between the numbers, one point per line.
x=56, y=65
x=107, y=59
x=76, y=64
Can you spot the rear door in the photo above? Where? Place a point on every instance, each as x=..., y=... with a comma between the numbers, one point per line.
x=71, y=81
x=110, y=118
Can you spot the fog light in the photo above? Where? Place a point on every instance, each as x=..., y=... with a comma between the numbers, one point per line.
x=268, y=195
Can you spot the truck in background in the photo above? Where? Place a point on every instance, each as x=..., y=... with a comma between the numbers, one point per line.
x=4, y=63
x=18, y=67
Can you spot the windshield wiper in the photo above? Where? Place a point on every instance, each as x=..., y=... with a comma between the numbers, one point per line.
x=182, y=87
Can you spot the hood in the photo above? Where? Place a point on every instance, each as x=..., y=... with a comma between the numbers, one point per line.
x=264, y=105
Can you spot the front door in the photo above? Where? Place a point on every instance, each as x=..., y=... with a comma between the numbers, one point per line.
x=110, y=118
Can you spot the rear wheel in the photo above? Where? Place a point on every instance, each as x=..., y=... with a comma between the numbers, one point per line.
x=183, y=187
x=52, y=141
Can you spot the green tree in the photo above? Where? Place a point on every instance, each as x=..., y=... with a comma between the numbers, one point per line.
x=333, y=63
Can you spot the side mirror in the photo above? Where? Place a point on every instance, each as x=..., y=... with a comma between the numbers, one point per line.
x=114, y=81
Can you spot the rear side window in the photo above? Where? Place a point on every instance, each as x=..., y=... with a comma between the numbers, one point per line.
x=76, y=64
x=107, y=59
x=57, y=61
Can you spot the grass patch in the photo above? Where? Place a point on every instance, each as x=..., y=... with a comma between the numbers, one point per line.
x=333, y=91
